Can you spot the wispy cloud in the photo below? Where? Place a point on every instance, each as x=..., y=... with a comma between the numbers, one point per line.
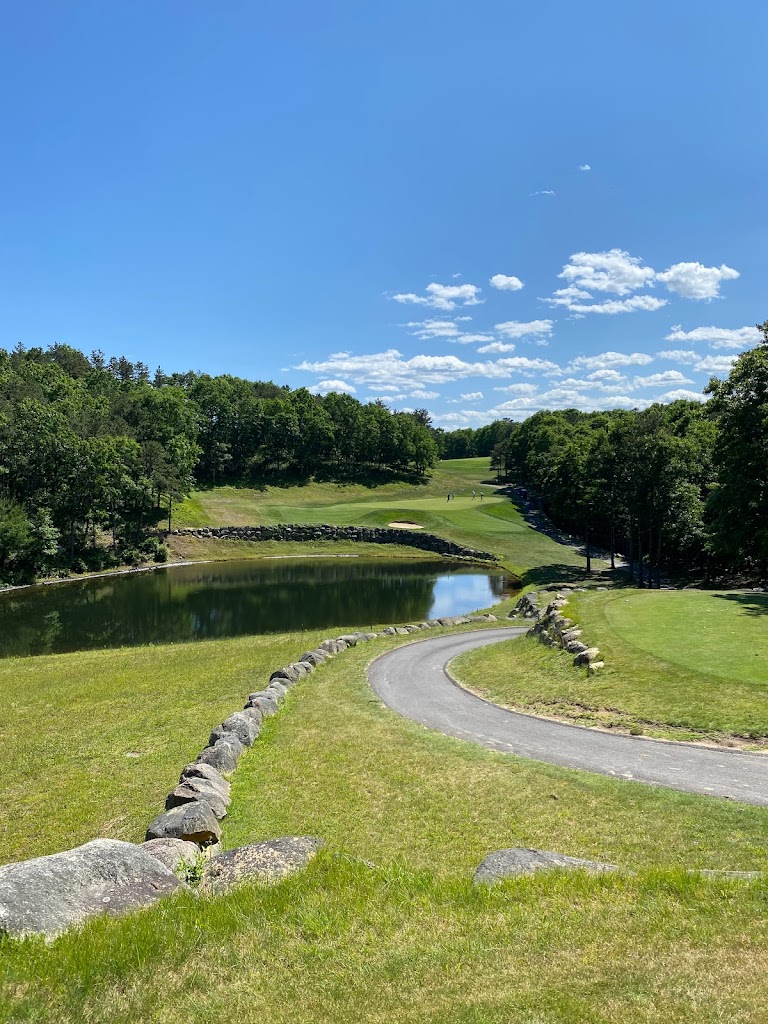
x=718, y=337
x=609, y=360
x=584, y=167
x=443, y=296
x=522, y=329
x=543, y=192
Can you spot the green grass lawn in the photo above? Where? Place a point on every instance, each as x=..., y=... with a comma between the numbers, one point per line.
x=385, y=924
x=680, y=664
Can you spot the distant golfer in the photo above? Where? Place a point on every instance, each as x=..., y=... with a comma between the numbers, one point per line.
x=481, y=495
x=473, y=495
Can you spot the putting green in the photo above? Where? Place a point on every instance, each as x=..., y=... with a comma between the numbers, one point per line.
x=717, y=634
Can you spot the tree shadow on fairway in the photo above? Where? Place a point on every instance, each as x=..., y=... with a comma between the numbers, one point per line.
x=751, y=604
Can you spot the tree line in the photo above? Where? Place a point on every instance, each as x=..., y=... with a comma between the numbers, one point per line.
x=94, y=451
x=674, y=487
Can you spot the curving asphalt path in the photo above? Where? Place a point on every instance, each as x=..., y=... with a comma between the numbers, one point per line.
x=413, y=681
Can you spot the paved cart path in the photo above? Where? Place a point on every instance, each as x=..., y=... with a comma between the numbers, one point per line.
x=412, y=680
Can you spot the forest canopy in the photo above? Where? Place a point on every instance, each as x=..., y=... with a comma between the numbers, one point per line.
x=94, y=453
x=92, y=448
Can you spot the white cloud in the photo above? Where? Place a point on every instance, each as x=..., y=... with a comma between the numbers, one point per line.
x=612, y=271
x=434, y=328
x=662, y=379
x=443, y=296
x=607, y=376
x=695, y=281
x=473, y=396
x=715, y=364
x=520, y=329
x=542, y=192
x=497, y=346
x=584, y=167
x=444, y=328
x=466, y=339
x=519, y=389
x=612, y=306
x=681, y=393
x=421, y=393
x=609, y=360
x=505, y=283
x=678, y=355
x=325, y=386
x=719, y=337
x=390, y=369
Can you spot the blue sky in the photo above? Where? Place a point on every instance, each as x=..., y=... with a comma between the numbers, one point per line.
x=481, y=209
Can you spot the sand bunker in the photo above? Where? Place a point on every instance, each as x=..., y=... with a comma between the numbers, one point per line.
x=405, y=525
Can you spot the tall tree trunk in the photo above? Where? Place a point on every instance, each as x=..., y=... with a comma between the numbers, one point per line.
x=631, y=552
x=640, y=580
x=613, y=555
x=658, y=564
x=589, y=553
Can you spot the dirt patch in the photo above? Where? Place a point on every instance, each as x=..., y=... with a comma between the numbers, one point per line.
x=405, y=525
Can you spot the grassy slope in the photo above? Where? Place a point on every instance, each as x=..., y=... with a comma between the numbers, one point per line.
x=686, y=664
x=409, y=939
x=493, y=525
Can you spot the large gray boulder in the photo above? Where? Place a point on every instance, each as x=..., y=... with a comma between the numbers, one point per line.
x=244, y=727
x=201, y=770
x=265, y=702
x=47, y=895
x=224, y=754
x=587, y=656
x=174, y=853
x=518, y=861
x=190, y=790
x=276, y=688
x=195, y=822
x=314, y=658
x=287, y=675
x=265, y=862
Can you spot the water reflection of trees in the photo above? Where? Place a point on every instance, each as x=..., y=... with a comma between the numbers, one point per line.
x=218, y=600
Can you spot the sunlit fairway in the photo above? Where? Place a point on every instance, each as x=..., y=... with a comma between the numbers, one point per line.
x=684, y=664
x=492, y=524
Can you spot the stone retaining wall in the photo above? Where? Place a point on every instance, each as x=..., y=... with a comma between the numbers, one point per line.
x=553, y=628
x=363, y=534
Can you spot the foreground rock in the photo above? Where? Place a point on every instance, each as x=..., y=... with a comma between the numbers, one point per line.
x=265, y=862
x=194, y=822
x=47, y=895
x=174, y=853
x=518, y=861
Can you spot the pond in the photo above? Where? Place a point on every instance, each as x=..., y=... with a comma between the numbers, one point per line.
x=234, y=598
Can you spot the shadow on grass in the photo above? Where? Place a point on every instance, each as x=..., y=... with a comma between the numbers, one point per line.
x=751, y=604
x=365, y=476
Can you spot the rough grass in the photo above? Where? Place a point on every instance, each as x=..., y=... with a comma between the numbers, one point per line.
x=385, y=925
x=679, y=664
x=347, y=943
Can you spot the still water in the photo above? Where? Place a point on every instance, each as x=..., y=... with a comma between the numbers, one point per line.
x=221, y=599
